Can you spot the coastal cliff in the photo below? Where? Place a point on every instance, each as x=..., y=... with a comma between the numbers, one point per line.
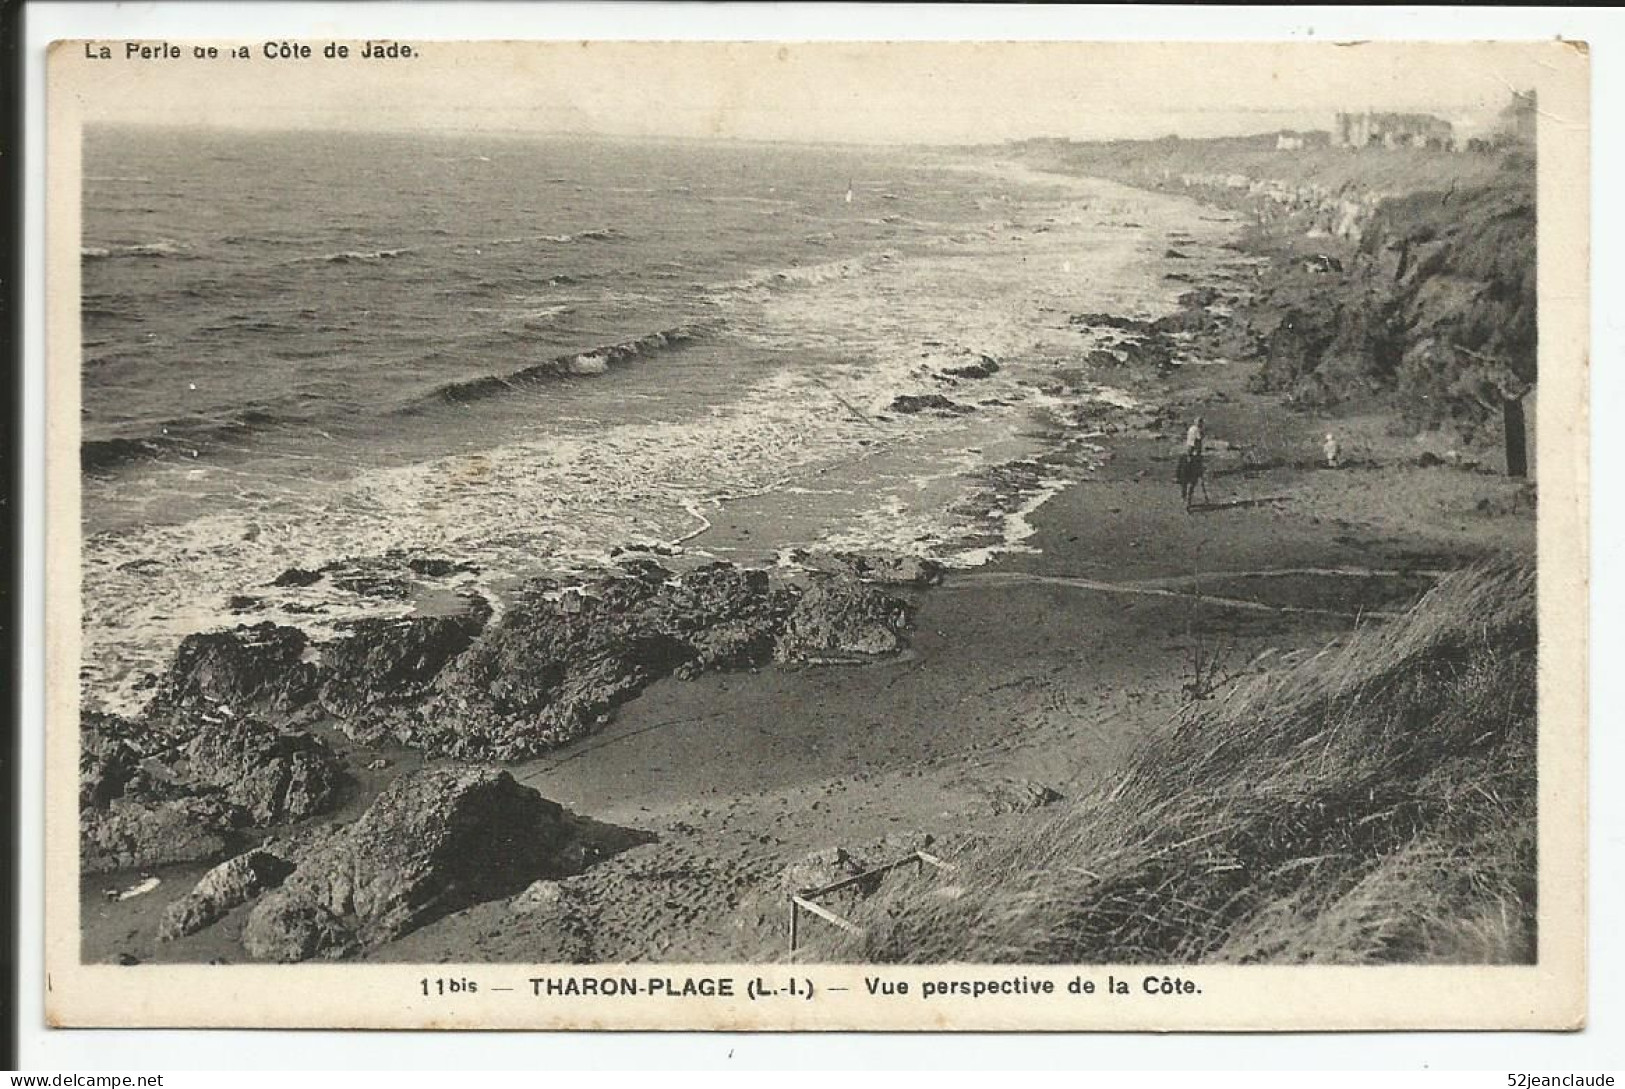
x=1402, y=276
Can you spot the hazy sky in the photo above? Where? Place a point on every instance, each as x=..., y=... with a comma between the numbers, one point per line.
x=925, y=92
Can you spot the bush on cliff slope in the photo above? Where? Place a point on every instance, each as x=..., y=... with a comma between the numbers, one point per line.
x=1373, y=804
x=1438, y=311
x=1466, y=303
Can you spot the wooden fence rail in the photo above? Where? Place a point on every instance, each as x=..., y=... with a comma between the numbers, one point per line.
x=805, y=899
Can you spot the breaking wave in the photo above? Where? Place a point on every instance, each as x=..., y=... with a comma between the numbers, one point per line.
x=348, y=256
x=161, y=248
x=183, y=438
x=593, y=362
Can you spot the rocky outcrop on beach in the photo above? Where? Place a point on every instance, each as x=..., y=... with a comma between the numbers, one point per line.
x=382, y=663
x=884, y=568
x=435, y=842
x=561, y=659
x=147, y=799
x=229, y=885
x=984, y=367
x=248, y=668
x=276, y=777
x=288, y=930
x=911, y=403
x=110, y=753
x=538, y=679
x=553, y=667
x=132, y=832
x=841, y=621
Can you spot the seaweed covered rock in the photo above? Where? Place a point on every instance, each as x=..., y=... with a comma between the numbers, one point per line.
x=149, y=799
x=540, y=678
x=984, y=367
x=248, y=668
x=436, y=841
x=912, y=403
x=725, y=616
x=230, y=884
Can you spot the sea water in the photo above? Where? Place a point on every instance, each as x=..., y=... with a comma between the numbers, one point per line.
x=522, y=353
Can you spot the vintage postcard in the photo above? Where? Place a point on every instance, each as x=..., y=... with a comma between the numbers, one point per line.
x=797, y=535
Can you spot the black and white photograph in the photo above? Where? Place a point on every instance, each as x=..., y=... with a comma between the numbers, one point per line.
x=598, y=531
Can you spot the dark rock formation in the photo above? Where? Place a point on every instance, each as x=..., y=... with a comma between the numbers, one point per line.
x=110, y=752
x=258, y=668
x=887, y=568
x=148, y=799
x=724, y=616
x=1150, y=352
x=368, y=584
x=284, y=929
x=843, y=621
x=297, y=576
x=1110, y=321
x=134, y=831
x=560, y=660
x=437, y=567
x=230, y=884
x=927, y=402
x=984, y=367
x=551, y=669
x=436, y=841
x=390, y=661
x=542, y=676
x=275, y=777
x=1200, y=297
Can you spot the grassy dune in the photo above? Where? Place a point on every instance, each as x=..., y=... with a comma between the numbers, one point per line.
x=1374, y=803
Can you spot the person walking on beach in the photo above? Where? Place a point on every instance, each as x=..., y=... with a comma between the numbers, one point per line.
x=1189, y=472
x=1332, y=449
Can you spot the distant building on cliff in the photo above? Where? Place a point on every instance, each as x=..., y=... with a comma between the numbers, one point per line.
x=1392, y=130
x=1517, y=120
x=1291, y=140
